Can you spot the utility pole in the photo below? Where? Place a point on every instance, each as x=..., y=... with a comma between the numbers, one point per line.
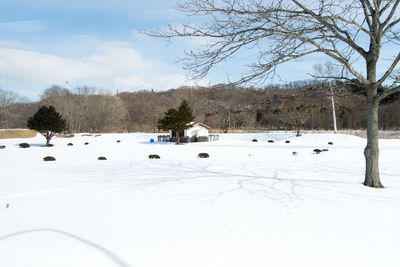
x=333, y=107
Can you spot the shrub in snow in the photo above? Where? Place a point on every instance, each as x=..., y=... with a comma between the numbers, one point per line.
x=154, y=156
x=49, y=158
x=325, y=149
x=254, y=140
x=270, y=141
x=102, y=158
x=317, y=151
x=287, y=141
x=118, y=141
x=330, y=143
x=86, y=143
x=294, y=153
x=203, y=155
x=70, y=144
x=24, y=145
x=2, y=147
x=97, y=135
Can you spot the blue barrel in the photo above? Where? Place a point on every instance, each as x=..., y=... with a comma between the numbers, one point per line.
x=151, y=140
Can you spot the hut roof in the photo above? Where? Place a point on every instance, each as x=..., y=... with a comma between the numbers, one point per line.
x=201, y=124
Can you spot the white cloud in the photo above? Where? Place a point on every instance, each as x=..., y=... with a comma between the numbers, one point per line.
x=112, y=65
x=22, y=66
x=119, y=57
x=23, y=26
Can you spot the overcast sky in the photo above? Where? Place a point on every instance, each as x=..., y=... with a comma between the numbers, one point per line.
x=96, y=43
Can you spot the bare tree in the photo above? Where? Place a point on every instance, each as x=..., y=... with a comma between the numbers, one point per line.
x=226, y=117
x=352, y=33
x=329, y=71
x=296, y=116
x=63, y=100
x=7, y=98
x=229, y=119
x=9, y=108
x=104, y=113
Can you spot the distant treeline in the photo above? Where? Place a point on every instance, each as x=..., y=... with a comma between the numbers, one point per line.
x=222, y=107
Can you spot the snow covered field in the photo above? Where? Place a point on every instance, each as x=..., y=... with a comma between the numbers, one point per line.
x=251, y=204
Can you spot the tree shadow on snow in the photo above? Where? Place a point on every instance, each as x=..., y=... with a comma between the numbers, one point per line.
x=282, y=190
x=112, y=256
x=270, y=184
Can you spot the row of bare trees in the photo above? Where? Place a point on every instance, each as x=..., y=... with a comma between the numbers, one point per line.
x=302, y=105
x=87, y=109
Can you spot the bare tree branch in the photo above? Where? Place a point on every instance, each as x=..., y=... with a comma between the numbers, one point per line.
x=388, y=92
x=392, y=12
x=390, y=70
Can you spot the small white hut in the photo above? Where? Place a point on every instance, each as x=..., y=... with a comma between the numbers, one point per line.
x=196, y=132
x=198, y=129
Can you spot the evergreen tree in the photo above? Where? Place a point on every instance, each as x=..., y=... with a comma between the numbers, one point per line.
x=186, y=110
x=47, y=121
x=177, y=120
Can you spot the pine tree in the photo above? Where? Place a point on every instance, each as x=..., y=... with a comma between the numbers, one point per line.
x=186, y=110
x=177, y=120
x=47, y=121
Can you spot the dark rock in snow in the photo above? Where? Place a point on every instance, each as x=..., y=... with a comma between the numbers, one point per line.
x=49, y=158
x=24, y=145
x=317, y=151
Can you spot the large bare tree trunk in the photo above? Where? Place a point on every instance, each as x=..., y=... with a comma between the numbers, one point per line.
x=371, y=151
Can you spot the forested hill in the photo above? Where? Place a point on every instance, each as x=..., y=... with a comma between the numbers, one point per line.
x=223, y=107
